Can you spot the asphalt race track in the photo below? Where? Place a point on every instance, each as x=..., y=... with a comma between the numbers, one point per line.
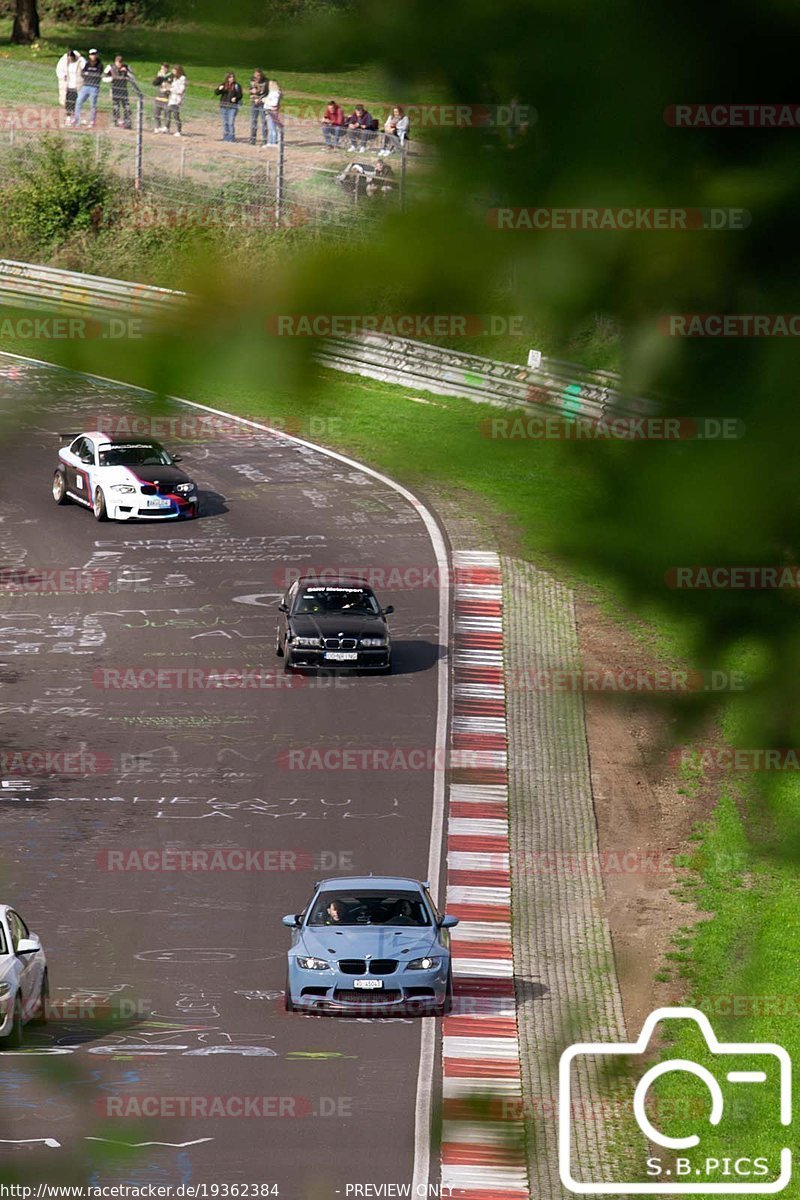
x=186, y=968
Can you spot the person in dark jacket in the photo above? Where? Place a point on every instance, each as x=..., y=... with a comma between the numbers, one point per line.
x=361, y=127
x=90, y=88
x=259, y=87
x=119, y=73
x=230, y=100
x=161, y=83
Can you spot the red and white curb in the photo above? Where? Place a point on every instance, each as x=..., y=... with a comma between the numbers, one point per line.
x=483, y=1146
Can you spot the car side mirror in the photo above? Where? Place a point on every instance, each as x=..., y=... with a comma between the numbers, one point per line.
x=389, y=609
x=283, y=607
x=177, y=458
x=87, y=459
x=27, y=946
x=448, y=922
x=290, y=921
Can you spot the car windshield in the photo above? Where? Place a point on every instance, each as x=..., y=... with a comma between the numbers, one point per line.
x=369, y=908
x=336, y=600
x=141, y=454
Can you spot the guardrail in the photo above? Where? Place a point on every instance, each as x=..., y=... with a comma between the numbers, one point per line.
x=565, y=388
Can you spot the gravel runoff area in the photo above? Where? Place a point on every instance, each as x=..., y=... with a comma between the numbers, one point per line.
x=565, y=977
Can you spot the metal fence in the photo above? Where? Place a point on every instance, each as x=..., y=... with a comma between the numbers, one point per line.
x=197, y=178
x=556, y=387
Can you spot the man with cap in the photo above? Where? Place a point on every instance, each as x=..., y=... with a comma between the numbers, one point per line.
x=90, y=90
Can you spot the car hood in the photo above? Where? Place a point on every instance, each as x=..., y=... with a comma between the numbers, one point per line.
x=157, y=474
x=335, y=624
x=356, y=941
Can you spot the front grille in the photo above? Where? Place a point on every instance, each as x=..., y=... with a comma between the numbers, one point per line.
x=357, y=996
x=152, y=489
x=352, y=966
x=419, y=992
x=154, y=512
x=340, y=643
x=382, y=966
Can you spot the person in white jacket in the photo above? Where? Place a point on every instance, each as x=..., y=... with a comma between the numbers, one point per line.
x=272, y=107
x=176, y=93
x=69, y=73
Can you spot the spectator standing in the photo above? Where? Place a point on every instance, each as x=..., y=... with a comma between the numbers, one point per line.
x=177, y=90
x=69, y=71
x=259, y=87
x=360, y=125
x=119, y=73
x=161, y=83
x=395, y=132
x=332, y=124
x=272, y=107
x=230, y=99
x=90, y=88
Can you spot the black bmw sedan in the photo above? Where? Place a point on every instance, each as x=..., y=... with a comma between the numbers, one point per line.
x=338, y=624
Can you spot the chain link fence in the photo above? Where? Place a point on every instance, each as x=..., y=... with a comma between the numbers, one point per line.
x=194, y=177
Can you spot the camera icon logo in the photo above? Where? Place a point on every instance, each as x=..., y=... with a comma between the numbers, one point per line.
x=696, y=1175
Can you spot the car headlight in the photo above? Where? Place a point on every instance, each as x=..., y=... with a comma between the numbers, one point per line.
x=424, y=964
x=184, y=488
x=5, y=990
x=312, y=964
x=300, y=641
x=122, y=487
x=373, y=641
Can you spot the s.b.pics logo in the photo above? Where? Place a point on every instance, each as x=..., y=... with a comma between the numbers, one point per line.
x=683, y=1108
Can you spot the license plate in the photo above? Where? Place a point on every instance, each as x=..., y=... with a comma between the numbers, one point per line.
x=369, y=984
x=341, y=655
x=158, y=504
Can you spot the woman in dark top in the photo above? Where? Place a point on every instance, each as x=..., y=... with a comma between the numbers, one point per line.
x=230, y=99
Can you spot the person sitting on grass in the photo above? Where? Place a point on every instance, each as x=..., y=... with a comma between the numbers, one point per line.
x=332, y=124
x=230, y=99
x=360, y=125
x=395, y=132
x=369, y=177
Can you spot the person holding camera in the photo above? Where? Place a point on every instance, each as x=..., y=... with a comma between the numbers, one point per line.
x=258, y=114
x=332, y=124
x=177, y=88
x=90, y=88
x=161, y=83
x=118, y=73
x=230, y=100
